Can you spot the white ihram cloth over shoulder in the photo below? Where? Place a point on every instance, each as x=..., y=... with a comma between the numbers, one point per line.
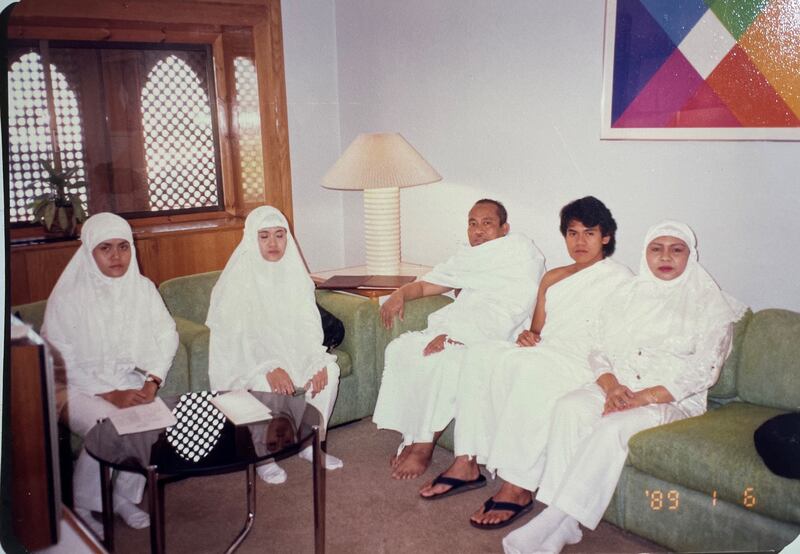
x=498, y=281
x=683, y=329
x=507, y=392
x=263, y=315
x=103, y=328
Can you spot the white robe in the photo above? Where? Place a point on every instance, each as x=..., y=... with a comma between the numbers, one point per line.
x=498, y=282
x=106, y=333
x=676, y=334
x=263, y=316
x=507, y=392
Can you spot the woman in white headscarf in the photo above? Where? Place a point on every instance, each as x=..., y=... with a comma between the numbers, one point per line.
x=661, y=341
x=266, y=332
x=113, y=342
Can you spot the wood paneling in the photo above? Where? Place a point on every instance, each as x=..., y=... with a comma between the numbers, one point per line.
x=35, y=506
x=268, y=38
x=163, y=252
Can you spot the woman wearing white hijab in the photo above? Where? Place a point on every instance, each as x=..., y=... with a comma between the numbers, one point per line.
x=266, y=332
x=662, y=340
x=114, y=342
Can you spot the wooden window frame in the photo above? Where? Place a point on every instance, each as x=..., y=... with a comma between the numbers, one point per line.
x=231, y=28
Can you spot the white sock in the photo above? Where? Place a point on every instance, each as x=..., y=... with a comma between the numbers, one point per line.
x=131, y=514
x=90, y=521
x=271, y=473
x=569, y=532
x=529, y=537
x=330, y=462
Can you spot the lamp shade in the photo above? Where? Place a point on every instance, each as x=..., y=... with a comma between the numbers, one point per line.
x=379, y=160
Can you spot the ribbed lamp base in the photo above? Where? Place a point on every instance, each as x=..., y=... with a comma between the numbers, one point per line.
x=382, y=230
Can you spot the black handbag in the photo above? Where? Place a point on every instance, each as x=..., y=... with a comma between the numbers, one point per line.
x=332, y=329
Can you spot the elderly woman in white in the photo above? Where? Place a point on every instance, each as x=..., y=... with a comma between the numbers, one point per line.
x=266, y=331
x=662, y=340
x=113, y=342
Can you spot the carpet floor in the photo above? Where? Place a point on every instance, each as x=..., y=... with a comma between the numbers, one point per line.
x=367, y=511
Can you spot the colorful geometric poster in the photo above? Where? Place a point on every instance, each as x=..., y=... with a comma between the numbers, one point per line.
x=702, y=69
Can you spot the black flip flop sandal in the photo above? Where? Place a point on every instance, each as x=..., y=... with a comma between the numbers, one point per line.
x=515, y=509
x=457, y=486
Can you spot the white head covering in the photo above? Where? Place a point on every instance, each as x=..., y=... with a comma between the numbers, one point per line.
x=104, y=326
x=651, y=312
x=263, y=314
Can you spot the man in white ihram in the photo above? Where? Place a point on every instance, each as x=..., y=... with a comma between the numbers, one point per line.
x=498, y=276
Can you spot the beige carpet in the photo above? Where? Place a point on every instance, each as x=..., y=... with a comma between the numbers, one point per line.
x=367, y=511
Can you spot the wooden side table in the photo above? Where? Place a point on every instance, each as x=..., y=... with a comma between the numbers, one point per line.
x=405, y=269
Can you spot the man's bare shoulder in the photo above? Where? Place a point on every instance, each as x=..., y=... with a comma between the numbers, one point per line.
x=557, y=274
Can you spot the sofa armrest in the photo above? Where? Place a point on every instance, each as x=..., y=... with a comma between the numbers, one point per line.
x=358, y=391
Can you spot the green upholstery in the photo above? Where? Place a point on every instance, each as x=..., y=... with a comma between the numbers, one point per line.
x=698, y=524
x=725, y=387
x=769, y=370
x=715, y=452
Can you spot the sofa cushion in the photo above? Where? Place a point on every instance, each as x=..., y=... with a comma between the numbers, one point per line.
x=344, y=362
x=189, y=296
x=769, y=369
x=725, y=387
x=715, y=452
x=32, y=314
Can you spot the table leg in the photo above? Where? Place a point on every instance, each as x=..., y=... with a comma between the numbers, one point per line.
x=251, y=509
x=156, y=503
x=107, y=502
x=318, y=469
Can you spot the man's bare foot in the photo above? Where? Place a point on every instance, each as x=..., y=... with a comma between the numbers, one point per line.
x=462, y=468
x=413, y=464
x=400, y=456
x=507, y=493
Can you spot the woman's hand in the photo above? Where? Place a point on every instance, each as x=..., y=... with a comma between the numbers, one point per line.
x=126, y=398
x=149, y=390
x=318, y=382
x=528, y=338
x=280, y=382
x=619, y=398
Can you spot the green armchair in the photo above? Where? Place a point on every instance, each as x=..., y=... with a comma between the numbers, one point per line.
x=188, y=297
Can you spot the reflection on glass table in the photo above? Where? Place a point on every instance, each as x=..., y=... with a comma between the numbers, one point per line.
x=205, y=442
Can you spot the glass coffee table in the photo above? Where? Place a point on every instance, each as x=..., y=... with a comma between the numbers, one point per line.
x=204, y=442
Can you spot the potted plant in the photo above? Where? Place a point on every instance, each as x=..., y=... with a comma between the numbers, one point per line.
x=59, y=209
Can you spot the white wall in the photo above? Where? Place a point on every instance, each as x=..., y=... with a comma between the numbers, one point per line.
x=503, y=99
x=309, y=40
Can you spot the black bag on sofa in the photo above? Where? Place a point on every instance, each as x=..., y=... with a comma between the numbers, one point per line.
x=777, y=441
x=332, y=329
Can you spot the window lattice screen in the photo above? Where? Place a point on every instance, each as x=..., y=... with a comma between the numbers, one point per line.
x=178, y=136
x=30, y=132
x=250, y=153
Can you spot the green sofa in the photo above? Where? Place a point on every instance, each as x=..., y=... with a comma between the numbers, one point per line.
x=187, y=299
x=698, y=485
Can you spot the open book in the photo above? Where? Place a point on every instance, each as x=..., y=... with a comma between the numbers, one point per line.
x=241, y=407
x=366, y=282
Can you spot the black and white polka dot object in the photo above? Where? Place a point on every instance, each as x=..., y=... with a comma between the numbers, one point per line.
x=199, y=426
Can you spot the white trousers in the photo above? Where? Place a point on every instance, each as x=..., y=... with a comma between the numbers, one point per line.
x=506, y=399
x=418, y=393
x=586, y=451
x=81, y=414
